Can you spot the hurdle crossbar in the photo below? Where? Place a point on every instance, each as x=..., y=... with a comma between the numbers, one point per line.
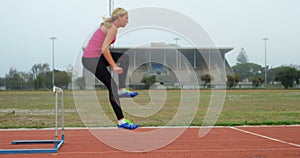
x=57, y=142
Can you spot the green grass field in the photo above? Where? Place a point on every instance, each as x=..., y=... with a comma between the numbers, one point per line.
x=35, y=109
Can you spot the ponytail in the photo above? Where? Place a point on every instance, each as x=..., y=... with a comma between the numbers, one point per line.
x=115, y=14
x=107, y=22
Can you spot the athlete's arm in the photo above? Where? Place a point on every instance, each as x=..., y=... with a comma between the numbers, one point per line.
x=110, y=35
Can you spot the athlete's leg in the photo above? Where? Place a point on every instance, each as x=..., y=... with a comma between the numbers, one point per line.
x=123, y=60
x=104, y=76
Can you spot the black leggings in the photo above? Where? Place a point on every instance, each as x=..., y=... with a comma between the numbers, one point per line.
x=97, y=66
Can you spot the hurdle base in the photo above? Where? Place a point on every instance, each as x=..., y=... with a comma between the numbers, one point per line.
x=57, y=145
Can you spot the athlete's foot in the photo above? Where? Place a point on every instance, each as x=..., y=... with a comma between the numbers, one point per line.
x=128, y=125
x=128, y=94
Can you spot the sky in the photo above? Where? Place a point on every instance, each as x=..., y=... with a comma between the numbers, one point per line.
x=27, y=25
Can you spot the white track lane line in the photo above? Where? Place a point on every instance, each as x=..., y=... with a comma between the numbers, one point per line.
x=266, y=137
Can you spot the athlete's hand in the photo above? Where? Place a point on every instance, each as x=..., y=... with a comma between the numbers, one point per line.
x=118, y=70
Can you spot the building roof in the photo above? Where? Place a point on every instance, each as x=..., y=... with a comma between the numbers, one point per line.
x=223, y=50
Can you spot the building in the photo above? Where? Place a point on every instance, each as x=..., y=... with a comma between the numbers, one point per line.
x=173, y=65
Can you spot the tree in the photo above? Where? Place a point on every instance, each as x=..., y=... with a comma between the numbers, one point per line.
x=297, y=73
x=232, y=80
x=297, y=77
x=248, y=70
x=242, y=57
x=80, y=81
x=206, y=78
x=62, y=79
x=39, y=72
x=2, y=81
x=13, y=79
x=287, y=76
x=26, y=80
x=149, y=80
x=257, y=81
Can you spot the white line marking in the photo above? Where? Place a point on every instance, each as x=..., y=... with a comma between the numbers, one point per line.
x=176, y=151
x=266, y=137
x=142, y=127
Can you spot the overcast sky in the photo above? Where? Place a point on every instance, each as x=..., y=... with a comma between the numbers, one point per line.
x=27, y=25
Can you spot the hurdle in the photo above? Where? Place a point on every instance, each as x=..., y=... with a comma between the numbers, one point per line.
x=57, y=142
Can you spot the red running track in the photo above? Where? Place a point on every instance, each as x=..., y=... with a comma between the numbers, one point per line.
x=221, y=142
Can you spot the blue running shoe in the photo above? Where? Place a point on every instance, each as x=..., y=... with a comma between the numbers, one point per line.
x=128, y=126
x=128, y=94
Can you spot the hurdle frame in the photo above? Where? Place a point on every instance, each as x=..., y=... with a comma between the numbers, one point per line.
x=57, y=142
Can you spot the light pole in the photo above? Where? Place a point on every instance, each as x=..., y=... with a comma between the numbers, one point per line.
x=177, y=54
x=111, y=6
x=53, y=38
x=266, y=77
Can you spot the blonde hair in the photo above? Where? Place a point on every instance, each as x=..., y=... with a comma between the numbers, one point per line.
x=114, y=16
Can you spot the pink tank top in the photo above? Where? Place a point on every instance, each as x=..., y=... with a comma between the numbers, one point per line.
x=94, y=47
